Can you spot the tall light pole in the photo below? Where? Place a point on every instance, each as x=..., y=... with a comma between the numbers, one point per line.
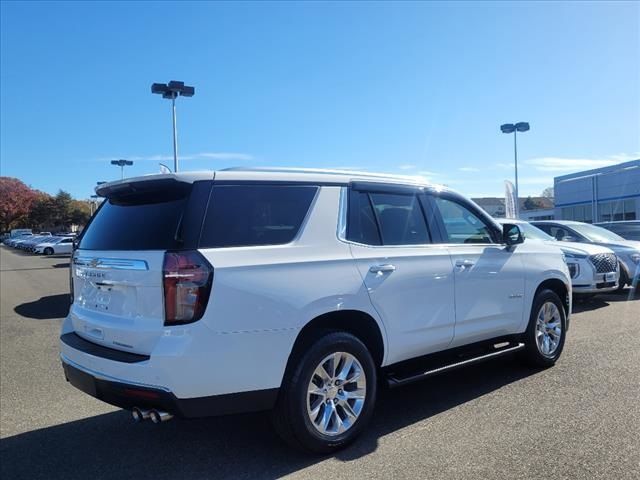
x=94, y=200
x=172, y=90
x=515, y=128
x=122, y=163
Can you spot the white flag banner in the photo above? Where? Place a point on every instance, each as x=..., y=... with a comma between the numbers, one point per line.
x=164, y=168
x=509, y=199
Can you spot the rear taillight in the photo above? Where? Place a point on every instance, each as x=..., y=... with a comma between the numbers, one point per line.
x=187, y=279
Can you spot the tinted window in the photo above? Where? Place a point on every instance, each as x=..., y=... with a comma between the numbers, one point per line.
x=244, y=215
x=140, y=223
x=556, y=231
x=361, y=224
x=400, y=218
x=461, y=224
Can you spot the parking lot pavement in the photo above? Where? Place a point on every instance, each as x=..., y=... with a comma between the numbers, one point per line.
x=577, y=420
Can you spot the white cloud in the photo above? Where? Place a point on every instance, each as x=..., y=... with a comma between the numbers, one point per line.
x=560, y=164
x=406, y=166
x=195, y=156
x=468, y=169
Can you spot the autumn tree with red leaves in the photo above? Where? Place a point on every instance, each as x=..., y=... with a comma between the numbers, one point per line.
x=16, y=200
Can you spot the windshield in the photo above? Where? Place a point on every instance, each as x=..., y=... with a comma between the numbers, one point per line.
x=596, y=234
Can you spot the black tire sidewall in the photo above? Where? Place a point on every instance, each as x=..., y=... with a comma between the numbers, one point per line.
x=532, y=352
x=304, y=430
x=48, y=251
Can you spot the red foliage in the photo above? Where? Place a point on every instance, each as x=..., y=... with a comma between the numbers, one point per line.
x=16, y=200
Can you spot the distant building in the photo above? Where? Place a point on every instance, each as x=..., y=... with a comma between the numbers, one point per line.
x=599, y=195
x=531, y=208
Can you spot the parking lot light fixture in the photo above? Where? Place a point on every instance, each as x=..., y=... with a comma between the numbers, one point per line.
x=515, y=128
x=121, y=163
x=172, y=90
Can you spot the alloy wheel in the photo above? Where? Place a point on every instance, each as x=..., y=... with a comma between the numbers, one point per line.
x=336, y=393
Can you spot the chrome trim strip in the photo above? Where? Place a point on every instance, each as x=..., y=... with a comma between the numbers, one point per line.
x=111, y=263
x=109, y=378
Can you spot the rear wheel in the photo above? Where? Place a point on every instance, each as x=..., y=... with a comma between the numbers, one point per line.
x=48, y=251
x=545, y=335
x=328, y=396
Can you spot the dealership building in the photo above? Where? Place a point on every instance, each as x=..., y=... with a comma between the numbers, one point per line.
x=599, y=195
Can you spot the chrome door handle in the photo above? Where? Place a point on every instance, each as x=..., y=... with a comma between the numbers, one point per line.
x=386, y=268
x=462, y=264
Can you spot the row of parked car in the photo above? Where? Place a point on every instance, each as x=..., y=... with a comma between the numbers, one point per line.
x=599, y=260
x=44, y=243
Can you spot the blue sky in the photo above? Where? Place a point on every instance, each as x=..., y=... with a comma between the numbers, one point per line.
x=412, y=88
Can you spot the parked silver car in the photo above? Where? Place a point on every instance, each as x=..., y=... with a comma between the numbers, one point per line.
x=593, y=268
x=627, y=251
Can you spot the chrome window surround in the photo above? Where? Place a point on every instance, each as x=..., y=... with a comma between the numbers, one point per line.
x=342, y=231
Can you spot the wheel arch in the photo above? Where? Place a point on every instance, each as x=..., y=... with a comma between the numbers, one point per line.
x=356, y=322
x=559, y=288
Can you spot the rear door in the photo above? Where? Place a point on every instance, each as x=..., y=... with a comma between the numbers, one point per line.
x=117, y=268
x=489, y=276
x=409, y=280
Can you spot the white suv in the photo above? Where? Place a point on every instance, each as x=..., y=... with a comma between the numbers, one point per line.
x=210, y=293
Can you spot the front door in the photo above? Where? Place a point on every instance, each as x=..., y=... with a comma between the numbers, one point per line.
x=489, y=276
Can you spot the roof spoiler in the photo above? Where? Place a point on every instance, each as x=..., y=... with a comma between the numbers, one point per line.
x=148, y=183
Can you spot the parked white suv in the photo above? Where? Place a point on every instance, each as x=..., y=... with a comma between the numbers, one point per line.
x=299, y=291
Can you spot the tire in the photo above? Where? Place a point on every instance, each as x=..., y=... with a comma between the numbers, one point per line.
x=48, y=251
x=533, y=353
x=294, y=416
x=624, y=279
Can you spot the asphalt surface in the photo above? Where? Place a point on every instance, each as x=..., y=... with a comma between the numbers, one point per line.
x=578, y=420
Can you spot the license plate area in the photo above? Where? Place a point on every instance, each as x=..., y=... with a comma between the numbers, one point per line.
x=109, y=298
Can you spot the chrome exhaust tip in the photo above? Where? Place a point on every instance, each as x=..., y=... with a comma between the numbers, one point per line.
x=160, y=416
x=139, y=415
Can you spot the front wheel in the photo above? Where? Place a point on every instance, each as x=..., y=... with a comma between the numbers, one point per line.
x=48, y=251
x=545, y=335
x=624, y=279
x=328, y=395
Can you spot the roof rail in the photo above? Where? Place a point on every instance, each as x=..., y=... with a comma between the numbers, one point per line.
x=318, y=170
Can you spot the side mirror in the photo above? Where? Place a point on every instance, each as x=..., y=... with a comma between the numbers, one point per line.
x=511, y=234
x=569, y=238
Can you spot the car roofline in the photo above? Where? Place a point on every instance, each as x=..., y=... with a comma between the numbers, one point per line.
x=273, y=174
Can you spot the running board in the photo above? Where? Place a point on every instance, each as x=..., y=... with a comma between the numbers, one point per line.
x=397, y=380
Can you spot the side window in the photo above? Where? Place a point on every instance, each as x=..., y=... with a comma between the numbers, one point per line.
x=400, y=218
x=250, y=215
x=361, y=222
x=558, y=232
x=461, y=224
x=386, y=219
x=546, y=228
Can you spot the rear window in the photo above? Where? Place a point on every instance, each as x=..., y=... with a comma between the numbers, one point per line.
x=142, y=222
x=250, y=215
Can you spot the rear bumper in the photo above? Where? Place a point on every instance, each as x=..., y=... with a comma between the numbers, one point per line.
x=127, y=396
